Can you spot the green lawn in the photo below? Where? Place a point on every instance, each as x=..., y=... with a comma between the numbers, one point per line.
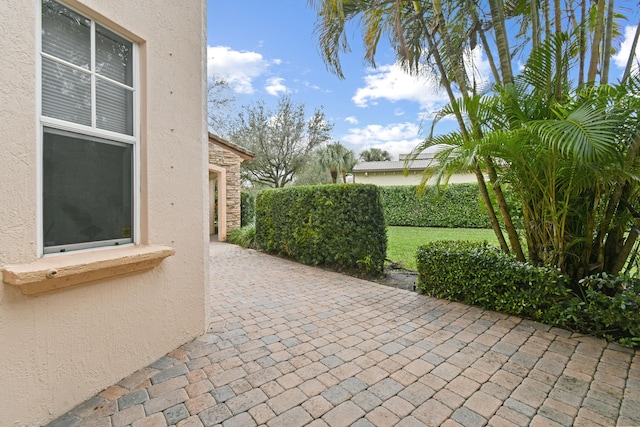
x=404, y=241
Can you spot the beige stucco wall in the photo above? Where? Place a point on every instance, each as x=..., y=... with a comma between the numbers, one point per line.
x=231, y=162
x=58, y=349
x=398, y=178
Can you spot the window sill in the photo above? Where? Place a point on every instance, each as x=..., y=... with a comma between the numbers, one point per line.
x=60, y=272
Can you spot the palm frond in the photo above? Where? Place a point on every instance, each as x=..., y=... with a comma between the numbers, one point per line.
x=584, y=134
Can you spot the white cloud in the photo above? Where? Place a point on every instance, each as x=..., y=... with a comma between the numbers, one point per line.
x=352, y=120
x=275, y=86
x=313, y=86
x=622, y=56
x=392, y=83
x=397, y=138
x=239, y=68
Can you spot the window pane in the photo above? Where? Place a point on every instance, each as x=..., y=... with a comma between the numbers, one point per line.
x=113, y=56
x=87, y=189
x=114, y=108
x=65, y=34
x=66, y=93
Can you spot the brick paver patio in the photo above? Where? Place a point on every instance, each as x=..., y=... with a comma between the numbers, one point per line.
x=291, y=345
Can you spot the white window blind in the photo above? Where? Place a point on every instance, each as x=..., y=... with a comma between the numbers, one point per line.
x=77, y=86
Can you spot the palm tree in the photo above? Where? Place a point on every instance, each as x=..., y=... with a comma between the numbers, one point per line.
x=375, y=155
x=337, y=159
x=572, y=166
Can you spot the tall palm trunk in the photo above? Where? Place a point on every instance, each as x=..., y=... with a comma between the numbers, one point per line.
x=632, y=54
x=594, y=61
x=514, y=239
x=502, y=42
x=502, y=39
x=583, y=41
x=608, y=40
x=495, y=224
x=558, y=28
x=334, y=175
x=460, y=76
x=535, y=24
x=487, y=50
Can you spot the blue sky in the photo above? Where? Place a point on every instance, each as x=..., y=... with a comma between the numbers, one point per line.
x=266, y=48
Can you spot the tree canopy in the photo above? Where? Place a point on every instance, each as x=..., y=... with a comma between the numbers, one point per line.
x=375, y=155
x=282, y=140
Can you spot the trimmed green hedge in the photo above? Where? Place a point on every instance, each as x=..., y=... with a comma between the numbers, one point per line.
x=480, y=274
x=334, y=225
x=457, y=206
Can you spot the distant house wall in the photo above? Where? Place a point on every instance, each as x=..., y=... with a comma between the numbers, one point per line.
x=62, y=346
x=398, y=178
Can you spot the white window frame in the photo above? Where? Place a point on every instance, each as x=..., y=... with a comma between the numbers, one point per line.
x=43, y=121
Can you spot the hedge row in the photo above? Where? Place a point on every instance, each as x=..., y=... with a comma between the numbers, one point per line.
x=334, y=225
x=457, y=206
x=479, y=274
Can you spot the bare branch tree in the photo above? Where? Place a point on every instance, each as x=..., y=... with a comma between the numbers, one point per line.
x=281, y=139
x=220, y=102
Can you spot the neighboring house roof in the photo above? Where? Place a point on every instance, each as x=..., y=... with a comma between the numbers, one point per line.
x=428, y=154
x=421, y=161
x=421, y=156
x=393, y=166
x=240, y=151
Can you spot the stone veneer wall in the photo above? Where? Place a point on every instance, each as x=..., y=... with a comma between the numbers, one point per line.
x=231, y=162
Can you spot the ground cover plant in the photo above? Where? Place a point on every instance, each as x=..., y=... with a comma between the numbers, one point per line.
x=244, y=236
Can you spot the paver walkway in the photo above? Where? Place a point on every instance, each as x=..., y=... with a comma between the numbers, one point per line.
x=291, y=345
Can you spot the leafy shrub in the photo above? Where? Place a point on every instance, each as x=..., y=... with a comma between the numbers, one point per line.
x=480, y=274
x=610, y=308
x=244, y=236
x=335, y=225
x=247, y=208
x=457, y=206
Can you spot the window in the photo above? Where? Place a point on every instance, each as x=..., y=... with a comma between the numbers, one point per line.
x=89, y=136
